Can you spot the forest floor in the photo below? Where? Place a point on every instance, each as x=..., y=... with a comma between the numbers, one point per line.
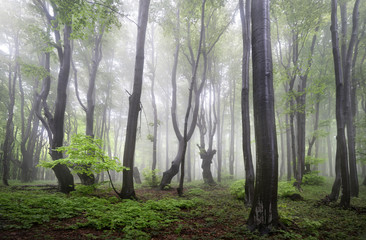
x=37, y=211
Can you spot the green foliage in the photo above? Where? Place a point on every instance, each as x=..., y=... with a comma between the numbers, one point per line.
x=151, y=177
x=84, y=16
x=24, y=209
x=210, y=212
x=286, y=188
x=196, y=192
x=85, y=155
x=237, y=189
x=313, y=161
x=313, y=179
x=150, y=137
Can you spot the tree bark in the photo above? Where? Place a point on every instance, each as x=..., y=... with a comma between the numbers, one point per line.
x=264, y=215
x=187, y=133
x=341, y=153
x=245, y=15
x=128, y=191
x=9, y=130
x=347, y=64
x=153, y=103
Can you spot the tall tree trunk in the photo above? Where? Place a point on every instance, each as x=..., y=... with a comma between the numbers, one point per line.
x=153, y=103
x=347, y=64
x=187, y=132
x=341, y=154
x=219, y=133
x=301, y=115
x=66, y=180
x=264, y=215
x=54, y=124
x=232, y=128
x=245, y=15
x=9, y=130
x=128, y=190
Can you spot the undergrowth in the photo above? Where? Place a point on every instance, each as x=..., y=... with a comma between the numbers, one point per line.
x=205, y=212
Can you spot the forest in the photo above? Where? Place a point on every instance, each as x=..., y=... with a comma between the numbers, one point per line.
x=183, y=119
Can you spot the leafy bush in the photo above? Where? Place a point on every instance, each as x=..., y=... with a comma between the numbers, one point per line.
x=237, y=189
x=313, y=179
x=85, y=156
x=151, y=177
x=286, y=189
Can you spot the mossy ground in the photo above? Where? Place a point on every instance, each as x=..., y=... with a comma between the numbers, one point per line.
x=204, y=212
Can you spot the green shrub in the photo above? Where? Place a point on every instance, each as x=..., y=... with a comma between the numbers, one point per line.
x=286, y=189
x=237, y=189
x=151, y=177
x=196, y=192
x=313, y=179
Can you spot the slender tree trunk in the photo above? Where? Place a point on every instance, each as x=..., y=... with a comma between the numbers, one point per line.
x=264, y=215
x=341, y=154
x=66, y=180
x=347, y=88
x=313, y=139
x=187, y=132
x=245, y=15
x=9, y=130
x=282, y=168
x=232, y=128
x=153, y=102
x=128, y=190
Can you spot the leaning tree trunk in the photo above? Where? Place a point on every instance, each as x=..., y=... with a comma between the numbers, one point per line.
x=247, y=152
x=187, y=132
x=128, y=190
x=66, y=180
x=264, y=215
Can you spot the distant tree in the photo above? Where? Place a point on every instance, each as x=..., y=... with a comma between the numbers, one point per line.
x=7, y=147
x=264, y=215
x=128, y=190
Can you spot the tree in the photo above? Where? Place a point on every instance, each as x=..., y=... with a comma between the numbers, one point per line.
x=263, y=215
x=245, y=16
x=9, y=131
x=342, y=167
x=349, y=108
x=54, y=123
x=152, y=69
x=208, y=125
x=128, y=190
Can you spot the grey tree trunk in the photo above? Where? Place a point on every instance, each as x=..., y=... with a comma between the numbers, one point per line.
x=245, y=15
x=54, y=123
x=341, y=153
x=153, y=103
x=187, y=132
x=347, y=64
x=9, y=130
x=128, y=190
x=264, y=215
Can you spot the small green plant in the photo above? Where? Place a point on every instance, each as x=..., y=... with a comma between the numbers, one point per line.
x=286, y=189
x=196, y=192
x=313, y=179
x=85, y=156
x=151, y=177
x=237, y=189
